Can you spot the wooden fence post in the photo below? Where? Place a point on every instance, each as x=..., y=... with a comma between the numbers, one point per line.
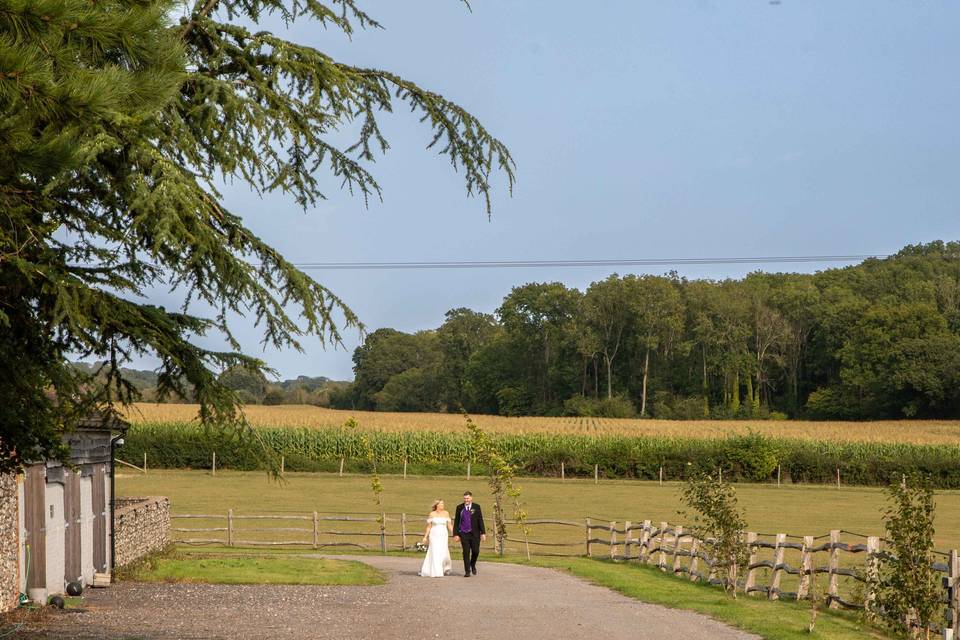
x=403, y=532
x=806, y=568
x=563, y=471
x=214, y=465
x=662, y=558
x=953, y=604
x=774, y=593
x=383, y=532
x=778, y=475
x=838, y=477
x=661, y=476
x=316, y=530
x=589, y=554
x=468, y=469
x=341, y=467
x=613, y=540
x=694, y=559
x=832, y=569
x=626, y=540
x=230, y=527
x=751, y=580
x=678, y=536
x=282, y=464
x=643, y=555
x=404, y=468
x=873, y=570
x=596, y=474
x=144, y=463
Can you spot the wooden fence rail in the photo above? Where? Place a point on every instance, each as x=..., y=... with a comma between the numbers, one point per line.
x=779, y=566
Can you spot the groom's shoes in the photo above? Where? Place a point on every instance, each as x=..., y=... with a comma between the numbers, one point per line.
x=473, y=570
x=466, y=575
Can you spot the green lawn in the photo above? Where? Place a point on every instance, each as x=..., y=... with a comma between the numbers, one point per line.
x=794, y=509
x=253, y=569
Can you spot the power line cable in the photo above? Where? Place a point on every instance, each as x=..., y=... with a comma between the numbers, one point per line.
x=639, y=262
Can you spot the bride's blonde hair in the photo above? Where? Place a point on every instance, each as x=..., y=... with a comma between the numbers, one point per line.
x=435, y=503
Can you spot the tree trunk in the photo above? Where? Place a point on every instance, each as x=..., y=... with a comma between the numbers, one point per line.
x=646, y=372
x=596, y=378
x=735, y=393
x=706, y=387
x=750, y=393
x=583, y=381
x=609, y=379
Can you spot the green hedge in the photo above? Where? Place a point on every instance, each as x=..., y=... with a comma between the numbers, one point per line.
x=742, y=458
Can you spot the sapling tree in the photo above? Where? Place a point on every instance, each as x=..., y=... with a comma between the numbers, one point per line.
x=501, y=475
x=908, y=594
x=719, y=522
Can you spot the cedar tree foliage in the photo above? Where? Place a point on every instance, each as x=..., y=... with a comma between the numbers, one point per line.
x=118, y=119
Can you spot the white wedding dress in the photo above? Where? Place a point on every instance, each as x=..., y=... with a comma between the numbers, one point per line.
x=437, y=563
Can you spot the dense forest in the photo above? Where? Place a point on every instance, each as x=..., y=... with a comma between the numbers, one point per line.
x=877, y=340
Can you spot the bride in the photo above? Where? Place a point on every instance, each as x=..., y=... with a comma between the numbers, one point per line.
x=439, y=528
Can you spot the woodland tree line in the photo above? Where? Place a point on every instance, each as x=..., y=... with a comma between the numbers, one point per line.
x=877, y=340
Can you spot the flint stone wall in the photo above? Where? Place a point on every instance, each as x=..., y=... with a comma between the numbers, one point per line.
x=9, y=543
x=141, y=525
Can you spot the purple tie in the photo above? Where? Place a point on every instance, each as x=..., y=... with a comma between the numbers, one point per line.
x=466, y=526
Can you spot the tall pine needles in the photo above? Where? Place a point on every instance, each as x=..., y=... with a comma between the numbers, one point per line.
x=118, y=121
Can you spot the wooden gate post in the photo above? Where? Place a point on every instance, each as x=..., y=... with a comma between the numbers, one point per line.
x=873, y=570
x=316, y=530
x=403, y=530
x=230, y=527
x=806, y=568
x=589, y=554
x=626, y=540
x=662, y=558
x=774, y=593
x=953, y=604
x=694, y=558
x=678, y=536
x=751, y=580
x=643, y=555
x=613, y=540
x=832, y=569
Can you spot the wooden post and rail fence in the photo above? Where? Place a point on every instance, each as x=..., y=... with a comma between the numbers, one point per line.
x=840, y=565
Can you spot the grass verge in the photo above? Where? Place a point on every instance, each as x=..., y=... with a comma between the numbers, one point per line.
x=770, y=620
x=260, y=568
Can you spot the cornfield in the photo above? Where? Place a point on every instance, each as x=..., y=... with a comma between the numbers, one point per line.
x=925, y=432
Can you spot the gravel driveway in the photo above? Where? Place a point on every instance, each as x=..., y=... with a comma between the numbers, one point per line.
x=503, y=601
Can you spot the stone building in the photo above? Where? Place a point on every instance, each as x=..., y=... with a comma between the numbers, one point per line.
x=55, y=524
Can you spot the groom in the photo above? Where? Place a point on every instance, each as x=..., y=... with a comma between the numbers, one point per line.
x=468, y=530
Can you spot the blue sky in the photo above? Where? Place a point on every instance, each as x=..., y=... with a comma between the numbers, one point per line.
x=641, y=129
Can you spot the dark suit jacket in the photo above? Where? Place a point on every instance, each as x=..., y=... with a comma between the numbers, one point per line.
x=476, y=520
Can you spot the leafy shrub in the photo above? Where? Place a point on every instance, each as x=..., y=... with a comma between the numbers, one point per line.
x=831, y=403
x=667, y=406
x=752, y=457
x=615, y=407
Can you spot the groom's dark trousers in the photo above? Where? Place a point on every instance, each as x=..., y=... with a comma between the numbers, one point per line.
x=469, y=541
x=471, y=550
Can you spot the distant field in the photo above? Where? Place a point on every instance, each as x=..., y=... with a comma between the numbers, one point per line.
x=906, y=431
x=799, y=510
